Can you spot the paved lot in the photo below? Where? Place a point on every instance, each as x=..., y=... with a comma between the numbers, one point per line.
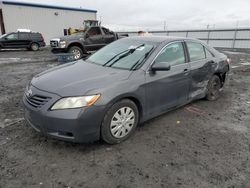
x=203, y=144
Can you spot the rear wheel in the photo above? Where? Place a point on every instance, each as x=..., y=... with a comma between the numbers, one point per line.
x=213, y=88
x=34, y=47
x=77, y=52
x=120, y=122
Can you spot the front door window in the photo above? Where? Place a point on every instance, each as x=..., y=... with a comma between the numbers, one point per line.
x=172, y=54
x=12, y=36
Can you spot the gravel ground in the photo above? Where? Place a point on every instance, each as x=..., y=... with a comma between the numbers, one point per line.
x=203, y=144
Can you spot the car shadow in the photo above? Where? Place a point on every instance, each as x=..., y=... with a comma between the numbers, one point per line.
x=13, y=50
x=24, y=49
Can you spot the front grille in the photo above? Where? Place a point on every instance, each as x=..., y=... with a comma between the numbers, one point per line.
x=54, y=44
x=37, y=101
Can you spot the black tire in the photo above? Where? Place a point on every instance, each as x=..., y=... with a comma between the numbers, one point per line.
x=213, y=88
x=78, y=53
x=34, y=47
x=106, y=127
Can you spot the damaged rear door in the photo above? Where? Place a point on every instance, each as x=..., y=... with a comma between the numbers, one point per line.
x=201, y=68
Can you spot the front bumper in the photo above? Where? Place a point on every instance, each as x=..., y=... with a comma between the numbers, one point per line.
x=75, y=125
x=59, y=50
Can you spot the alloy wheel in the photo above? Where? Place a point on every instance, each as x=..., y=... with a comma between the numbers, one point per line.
x=76, y=53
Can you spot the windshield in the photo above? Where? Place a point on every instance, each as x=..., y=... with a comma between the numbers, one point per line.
x=3, y=36
x=122, y=54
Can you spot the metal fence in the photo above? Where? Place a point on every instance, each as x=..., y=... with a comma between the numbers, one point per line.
x=220, y=38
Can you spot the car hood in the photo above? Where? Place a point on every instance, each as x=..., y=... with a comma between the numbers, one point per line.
x=78, y=78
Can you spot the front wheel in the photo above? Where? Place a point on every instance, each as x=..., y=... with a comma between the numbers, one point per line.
x=77, y=52
x=214, y=86
x=120, y=122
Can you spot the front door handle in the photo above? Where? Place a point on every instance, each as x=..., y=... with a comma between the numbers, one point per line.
x=186, y=72
x=211, y=62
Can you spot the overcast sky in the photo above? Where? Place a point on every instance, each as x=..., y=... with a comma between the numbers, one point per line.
x=151, y=14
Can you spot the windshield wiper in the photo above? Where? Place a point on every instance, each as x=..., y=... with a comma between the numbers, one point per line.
x=141, y=60
x=115, y=57
x=126, y=53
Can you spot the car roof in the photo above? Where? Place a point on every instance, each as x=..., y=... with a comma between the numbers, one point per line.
x=157, y=39
x=162, y=39
x=23, y=32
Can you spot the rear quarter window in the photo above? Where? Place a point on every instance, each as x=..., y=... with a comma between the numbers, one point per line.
x=196, y=51
x=36, y=36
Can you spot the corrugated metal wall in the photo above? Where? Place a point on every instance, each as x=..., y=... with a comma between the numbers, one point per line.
x=43, y=20
x=222, y=38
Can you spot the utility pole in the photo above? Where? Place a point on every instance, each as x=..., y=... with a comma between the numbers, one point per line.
x=100, y=22
x=237, y=24
x=165, y=25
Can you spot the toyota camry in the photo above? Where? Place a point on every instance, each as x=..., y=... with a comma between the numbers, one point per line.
x=122, y=85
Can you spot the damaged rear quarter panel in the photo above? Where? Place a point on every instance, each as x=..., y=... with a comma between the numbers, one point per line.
x=201, y=72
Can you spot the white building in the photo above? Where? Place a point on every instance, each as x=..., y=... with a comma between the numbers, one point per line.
x=46, y=19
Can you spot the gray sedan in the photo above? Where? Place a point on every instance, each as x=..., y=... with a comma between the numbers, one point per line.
x=122, y=85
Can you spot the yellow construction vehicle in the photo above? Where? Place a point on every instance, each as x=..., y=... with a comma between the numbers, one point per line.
x=86, y=24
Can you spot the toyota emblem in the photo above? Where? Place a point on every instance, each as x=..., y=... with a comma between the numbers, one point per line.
x=29, y=93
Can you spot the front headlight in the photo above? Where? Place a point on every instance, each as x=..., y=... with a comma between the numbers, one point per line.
x=62, y=44
x=75, y=102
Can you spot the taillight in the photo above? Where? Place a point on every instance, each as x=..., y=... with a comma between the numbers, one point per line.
x=227, y=61
x=42, y=36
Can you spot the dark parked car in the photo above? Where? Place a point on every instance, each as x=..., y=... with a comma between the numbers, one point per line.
x=83, y=43
x=30, y=40
x=123, y=84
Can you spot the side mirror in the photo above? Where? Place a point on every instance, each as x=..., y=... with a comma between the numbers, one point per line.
x=163, y=66
x=86, y=35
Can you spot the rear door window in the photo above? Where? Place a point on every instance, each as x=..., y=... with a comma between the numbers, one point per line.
x=106, y=31
x=196, y=51
x=24, y=36
x=94, y=31
x=173, y=54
